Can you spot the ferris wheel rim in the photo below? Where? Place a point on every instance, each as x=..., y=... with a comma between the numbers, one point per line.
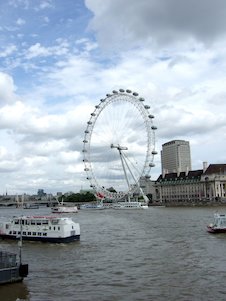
x=138, y=102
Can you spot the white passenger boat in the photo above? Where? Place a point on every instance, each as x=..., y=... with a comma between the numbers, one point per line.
x=41, y=228
x=130, y=205
x=64, y=209
x=97, y=206
x=218, y=225
x=61, y=208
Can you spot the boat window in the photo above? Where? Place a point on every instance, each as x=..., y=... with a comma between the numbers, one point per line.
x=49, y=227
x=72, y=227
x=45, y=222
x=55, y=221
x=58, y=228
x=24, y=232
x=54, y=228
x=223, y=222
x=7, y=226
x=44, y=234
x=14, y=232
x=39, y=233
x=34, y=233
x=39, y=223
x=16, y=222
x=10, y=232
x=22, y=221
x=28, y=233
x=33, y=223
x=18, y=232
x=27, y=222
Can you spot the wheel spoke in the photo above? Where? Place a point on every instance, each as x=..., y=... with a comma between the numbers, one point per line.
x=119, y=144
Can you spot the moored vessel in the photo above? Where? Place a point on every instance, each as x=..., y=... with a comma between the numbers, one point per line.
x=10, y=269
x=41, y=228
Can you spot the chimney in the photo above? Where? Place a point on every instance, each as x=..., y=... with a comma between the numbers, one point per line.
x=163, y=173
x=178, y=171
x=187, y=170
x=205, y=165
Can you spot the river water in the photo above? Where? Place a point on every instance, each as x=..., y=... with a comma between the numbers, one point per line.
x=126, y=255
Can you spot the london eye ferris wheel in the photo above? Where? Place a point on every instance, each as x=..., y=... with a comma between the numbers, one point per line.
x=119, y=144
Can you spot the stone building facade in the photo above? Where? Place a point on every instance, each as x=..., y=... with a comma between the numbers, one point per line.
x=193, y=187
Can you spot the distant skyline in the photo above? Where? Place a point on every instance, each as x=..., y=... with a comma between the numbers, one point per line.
x=58, y=58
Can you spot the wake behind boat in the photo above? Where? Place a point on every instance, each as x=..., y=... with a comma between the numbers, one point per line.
x=218, y=225
x=41, y=228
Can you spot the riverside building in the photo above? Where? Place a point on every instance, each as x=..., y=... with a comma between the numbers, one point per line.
x=193, y=187
x=176, y=157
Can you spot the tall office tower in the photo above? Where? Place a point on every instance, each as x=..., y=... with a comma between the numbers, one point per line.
x=176, y=156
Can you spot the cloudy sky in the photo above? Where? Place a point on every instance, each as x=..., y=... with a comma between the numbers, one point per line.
x=58, y=58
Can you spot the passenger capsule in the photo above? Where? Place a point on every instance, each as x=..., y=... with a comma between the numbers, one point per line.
x=102, y=100
x=154, y=127
x=85, y=141
x=135, y=94
x=152, y=164
x=147, y=107
x=97, y=107
x=84, y=151
x=128, y=91
x=151, y=116
x=86, y=131
x=141, y=99
x=154, y=152
x=121, y=90
x=86, y=169
x=89, y=122
x=93, y=114
x=115, y=92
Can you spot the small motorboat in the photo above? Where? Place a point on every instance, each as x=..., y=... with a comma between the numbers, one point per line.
x=218, y=225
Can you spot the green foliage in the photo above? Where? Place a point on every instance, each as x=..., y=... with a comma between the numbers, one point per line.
x=80, y=197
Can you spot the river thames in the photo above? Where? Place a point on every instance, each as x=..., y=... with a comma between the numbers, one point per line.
x=126, y=255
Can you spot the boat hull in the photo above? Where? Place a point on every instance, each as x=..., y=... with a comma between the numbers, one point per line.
x=10, y=270
x=216, y=230
x=43, y=239
x=11, y=275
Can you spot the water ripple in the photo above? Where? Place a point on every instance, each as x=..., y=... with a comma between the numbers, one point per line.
x=157, y=254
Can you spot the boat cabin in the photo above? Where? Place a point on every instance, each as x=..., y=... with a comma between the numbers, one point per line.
x=219, y=220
